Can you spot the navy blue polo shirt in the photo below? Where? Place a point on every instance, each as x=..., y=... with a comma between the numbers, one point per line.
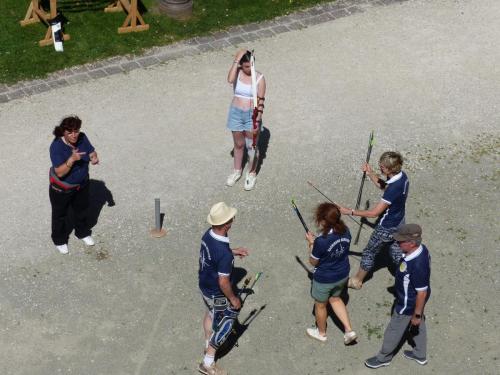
x=412, y=275
x=60, y=153
x=395, y=195
x=332, y=253
x=216, y=259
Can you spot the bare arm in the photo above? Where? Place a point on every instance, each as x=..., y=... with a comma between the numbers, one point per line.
x=227, y=289
x=375, y=178
x=310, y=242
x=419, y=307
x=233, y=71
x=261, y=94
x=374, y=212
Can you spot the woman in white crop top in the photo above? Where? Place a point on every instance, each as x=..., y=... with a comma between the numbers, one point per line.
x=240, y=117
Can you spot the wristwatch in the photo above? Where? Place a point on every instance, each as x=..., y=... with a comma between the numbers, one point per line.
x=418, y=316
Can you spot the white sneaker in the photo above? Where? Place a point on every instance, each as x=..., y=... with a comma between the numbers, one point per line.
x=89, y=241
x=250, y=181
x=314, y=334
x=349, y=337
x=233, y=177
x=63, y=249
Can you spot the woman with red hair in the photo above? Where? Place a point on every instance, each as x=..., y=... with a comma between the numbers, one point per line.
x=329, y=255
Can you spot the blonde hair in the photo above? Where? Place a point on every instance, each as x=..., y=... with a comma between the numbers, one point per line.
x=392, y=160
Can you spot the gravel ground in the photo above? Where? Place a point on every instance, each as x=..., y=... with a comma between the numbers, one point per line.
x=423, y=74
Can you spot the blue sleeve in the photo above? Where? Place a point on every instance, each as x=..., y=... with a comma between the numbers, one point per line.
x=421, y=275
x=225, y=263
x=57, y=154
x=390, y=194
x=86, y=145
x=318, y=250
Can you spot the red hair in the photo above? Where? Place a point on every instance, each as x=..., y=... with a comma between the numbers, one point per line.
x=327, y=217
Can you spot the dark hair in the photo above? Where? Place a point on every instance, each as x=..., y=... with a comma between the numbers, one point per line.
x=246, y=57
x=67, y=123
x=327, y=217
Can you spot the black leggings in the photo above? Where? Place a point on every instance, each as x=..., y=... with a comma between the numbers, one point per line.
x=61, y=201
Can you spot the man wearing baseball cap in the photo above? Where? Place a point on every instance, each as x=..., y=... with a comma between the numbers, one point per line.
x=216, y=265
x=413, y=289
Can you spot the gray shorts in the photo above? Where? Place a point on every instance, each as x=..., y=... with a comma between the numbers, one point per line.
x=322, y=292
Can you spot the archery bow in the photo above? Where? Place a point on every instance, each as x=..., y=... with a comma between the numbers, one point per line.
x=255, y=99
x=336, y=204
x=360, y=193
x=296, y=209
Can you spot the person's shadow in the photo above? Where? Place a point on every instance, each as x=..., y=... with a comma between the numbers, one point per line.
x=99, y=195
x=263, y=145
x=238, y=328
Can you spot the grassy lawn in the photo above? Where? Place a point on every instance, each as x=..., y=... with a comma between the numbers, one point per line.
x=94, y=33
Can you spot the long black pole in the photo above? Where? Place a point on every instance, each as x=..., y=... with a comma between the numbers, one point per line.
x=296, y=209
x=360, y=192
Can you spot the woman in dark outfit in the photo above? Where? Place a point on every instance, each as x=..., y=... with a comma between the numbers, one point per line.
x=329, y=255
x=70, y=153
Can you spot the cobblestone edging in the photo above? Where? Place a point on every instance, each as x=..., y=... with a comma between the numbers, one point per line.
x=232, y=37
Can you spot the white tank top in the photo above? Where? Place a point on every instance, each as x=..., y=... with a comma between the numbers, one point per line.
x=243, y=90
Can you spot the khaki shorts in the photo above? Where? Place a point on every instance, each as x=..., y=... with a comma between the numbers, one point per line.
x=322, y=292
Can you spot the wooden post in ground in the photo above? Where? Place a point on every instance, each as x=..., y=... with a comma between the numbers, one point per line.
x=134, y=20
x=36, y=14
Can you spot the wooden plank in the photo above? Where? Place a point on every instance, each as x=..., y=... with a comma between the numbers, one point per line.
x=134, y=21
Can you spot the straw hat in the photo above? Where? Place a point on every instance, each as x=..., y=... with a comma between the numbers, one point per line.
x=220, y=213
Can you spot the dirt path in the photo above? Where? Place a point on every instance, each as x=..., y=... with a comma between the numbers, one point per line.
x=423, y=74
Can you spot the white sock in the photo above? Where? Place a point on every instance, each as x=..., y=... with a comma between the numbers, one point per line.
x=208, y=360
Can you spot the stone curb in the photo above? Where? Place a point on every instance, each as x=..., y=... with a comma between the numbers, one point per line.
x=234, y=36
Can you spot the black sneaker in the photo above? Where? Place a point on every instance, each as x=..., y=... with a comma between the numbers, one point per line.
x=409, y=354
x=373, y=362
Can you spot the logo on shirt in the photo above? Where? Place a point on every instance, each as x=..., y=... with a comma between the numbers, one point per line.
x=403, y=266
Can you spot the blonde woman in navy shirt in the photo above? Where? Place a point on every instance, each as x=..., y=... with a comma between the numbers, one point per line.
x=240, y=117
x=329, y=256
x=390, y=212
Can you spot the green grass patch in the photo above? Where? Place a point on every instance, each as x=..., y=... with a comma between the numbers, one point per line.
x=94, y=33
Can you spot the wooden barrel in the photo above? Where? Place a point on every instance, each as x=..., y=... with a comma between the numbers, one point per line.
x=177, y=9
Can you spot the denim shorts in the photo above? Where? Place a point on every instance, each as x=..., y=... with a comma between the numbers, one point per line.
x=239, y=120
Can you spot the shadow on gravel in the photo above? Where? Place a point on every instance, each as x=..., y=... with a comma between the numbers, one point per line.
x=265, y=136
x=237, y=275
x=382, y=260
x=262, y=144
x=238, y=330
x=99, y=195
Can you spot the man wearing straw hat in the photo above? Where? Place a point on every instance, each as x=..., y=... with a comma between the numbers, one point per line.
x=216, y=265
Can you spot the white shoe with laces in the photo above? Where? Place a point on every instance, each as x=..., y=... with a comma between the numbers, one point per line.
x=250, y=181
x=63, y=249
x=350, y=337
x=89, y=241
x=314, y=334
x=233, y=177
